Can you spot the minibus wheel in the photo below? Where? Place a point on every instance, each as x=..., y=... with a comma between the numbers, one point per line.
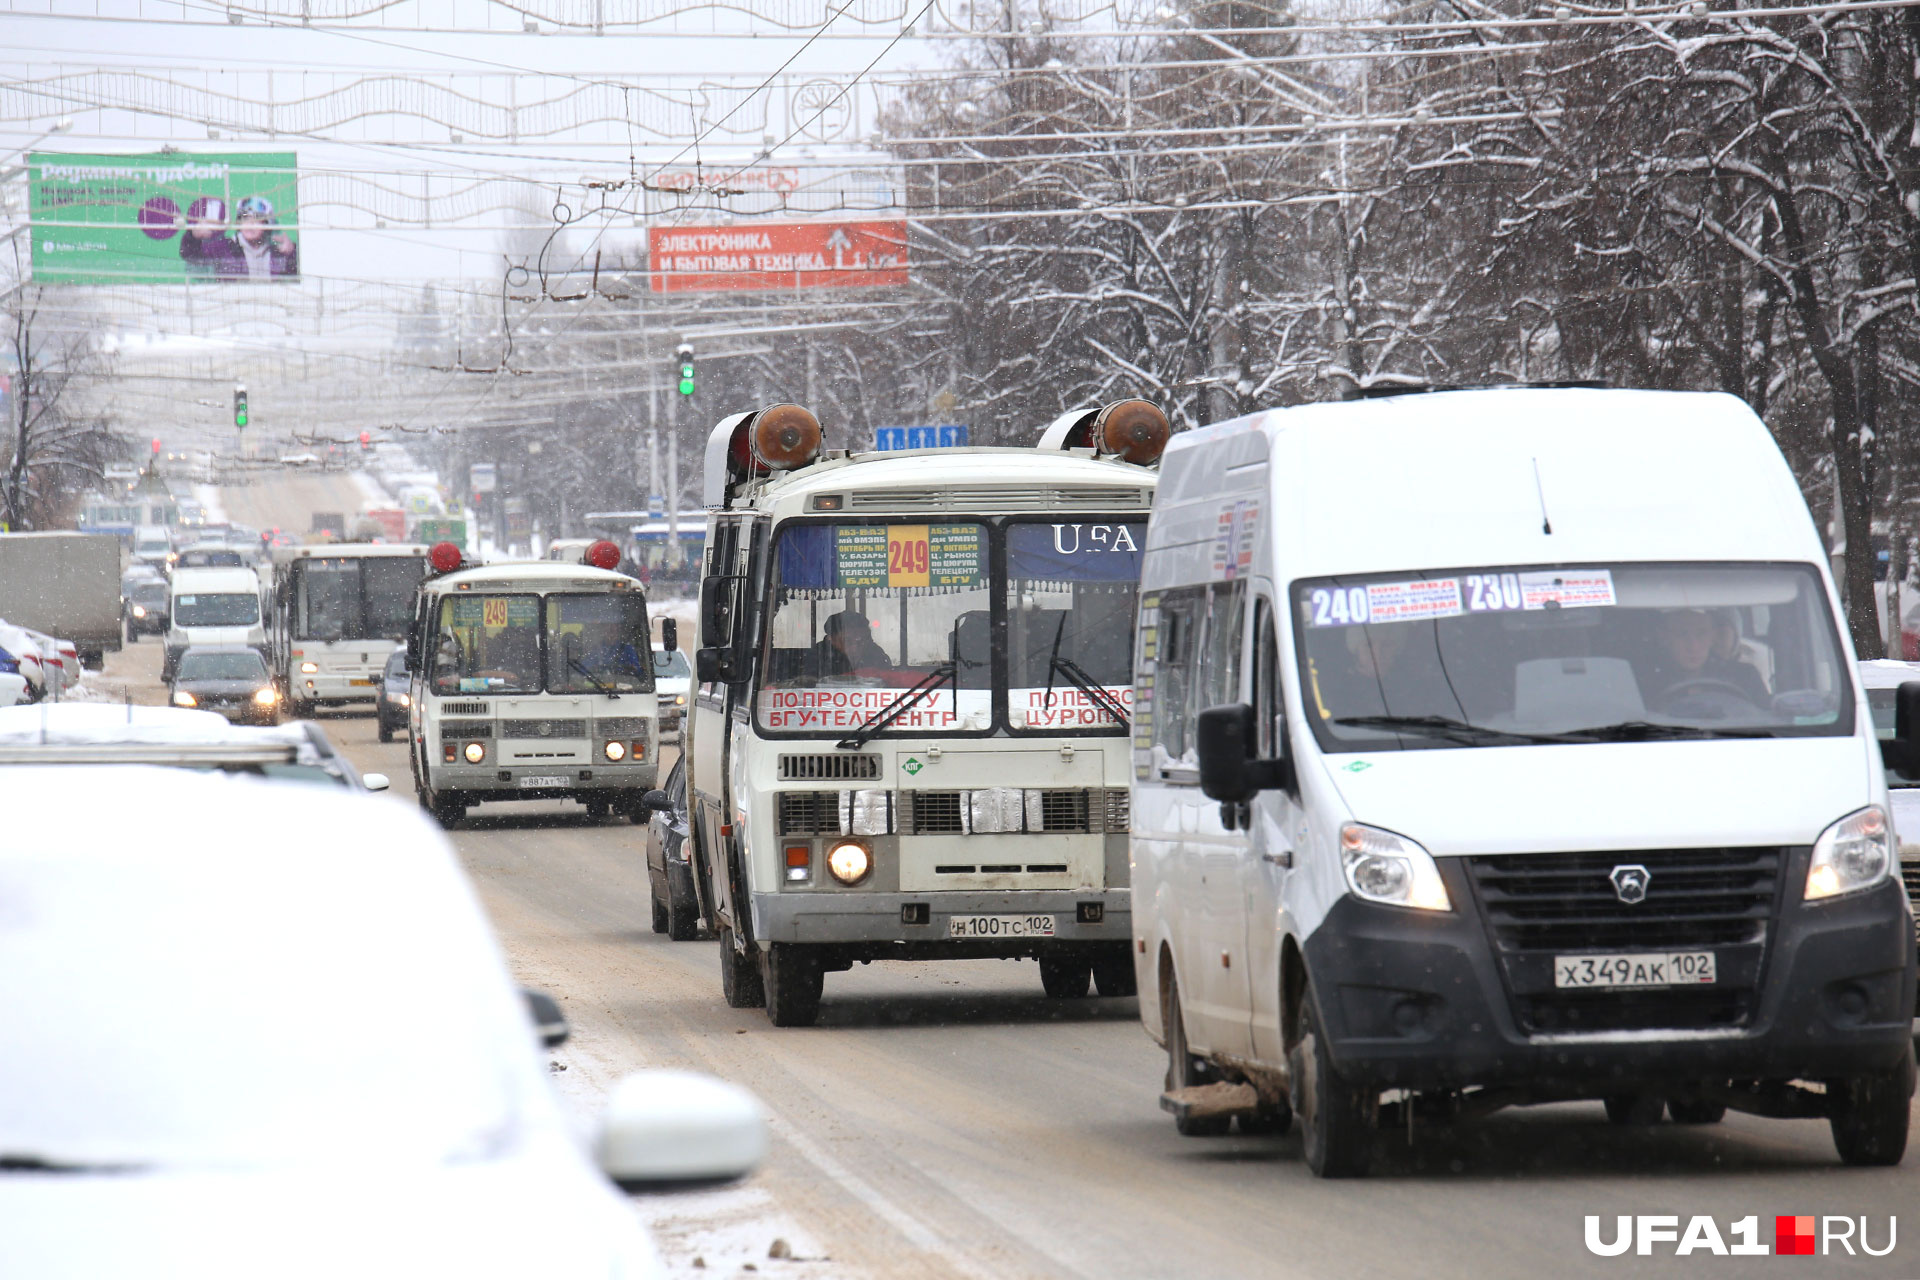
x=1185, y=1071
x=1869, y=1114
x=739, y=975
x=447, y=810
x=659, y=917
x=1337, y=1119
x=1696, y=1111
x=1635, y=1110
x=794, y=981
x=1065, y=978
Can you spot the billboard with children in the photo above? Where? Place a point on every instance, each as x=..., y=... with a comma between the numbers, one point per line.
x=164, y=218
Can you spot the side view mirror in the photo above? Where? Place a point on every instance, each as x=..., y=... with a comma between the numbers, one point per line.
x=1902, y=752
x=669, y=634
x=656, y=801
x=375, y=781
x=711, y=665
x=1224, y=739
x=547, y=1018
x=663, y=1128
x=716, y=610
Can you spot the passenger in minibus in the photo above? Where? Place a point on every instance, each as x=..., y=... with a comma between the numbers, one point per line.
x=1377, y=671
x=846, y=645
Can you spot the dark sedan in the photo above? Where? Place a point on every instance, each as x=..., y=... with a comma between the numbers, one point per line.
x=144, y=602
x=230, y=679
x=676, y=907
x=391, y=701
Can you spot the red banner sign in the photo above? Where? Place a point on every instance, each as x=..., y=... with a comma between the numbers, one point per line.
x=778, y=255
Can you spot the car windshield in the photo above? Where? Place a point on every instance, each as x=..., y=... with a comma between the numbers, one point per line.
x=488, y=644
x=216, y=609
x=1509, y=655
x=671, y=664
x=863, y=612
x=1071, y=592
x=396, y=664
x=222, y=666
x=154, y=592
x=598, y=643
x=211, y=559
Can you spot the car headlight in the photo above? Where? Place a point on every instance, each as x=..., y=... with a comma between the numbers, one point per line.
x=849, y=862
x=475, y=752
x=267, y=696
x=616, y=751
x=182, y=698
x=309, y=668
x=1854, y=853
x=1383, y=867
x=139, y=611
x=404, y=699
x=679, y=699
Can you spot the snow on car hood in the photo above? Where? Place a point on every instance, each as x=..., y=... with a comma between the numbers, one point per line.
x=1642, y=795
x=548, y=1215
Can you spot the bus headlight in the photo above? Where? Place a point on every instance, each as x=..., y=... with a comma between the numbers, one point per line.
x=184, y=699
x=309, y=668
x=267, y=697
x=476, y=752
x=1854, y=853
x=679, y=699
x=1384, y=867
x=615, y=751
x=849, y=862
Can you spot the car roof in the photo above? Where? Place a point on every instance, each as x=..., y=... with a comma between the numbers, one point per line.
x=108, y=724
x=1887, y=673
x=221, y=648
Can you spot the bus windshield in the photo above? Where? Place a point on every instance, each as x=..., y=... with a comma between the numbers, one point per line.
x=598, y=644
x=1071, y=592
x=355, y=597
x=487, y=644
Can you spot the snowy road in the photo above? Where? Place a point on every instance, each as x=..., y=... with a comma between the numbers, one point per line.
x=947, y=1120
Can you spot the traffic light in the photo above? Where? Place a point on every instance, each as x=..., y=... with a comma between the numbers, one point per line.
x=156, y=446
x=366, y=439
x=240, y=408
x=686, y=369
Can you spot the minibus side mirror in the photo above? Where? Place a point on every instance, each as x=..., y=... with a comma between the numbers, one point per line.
x=711, y=665
x=669, y=634
x=1224, y=739
x=1902, y=751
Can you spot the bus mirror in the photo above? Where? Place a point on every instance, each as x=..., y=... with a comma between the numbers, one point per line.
x=669, y=634
x=710, y=664
x=716, y=611
x=1224, y=739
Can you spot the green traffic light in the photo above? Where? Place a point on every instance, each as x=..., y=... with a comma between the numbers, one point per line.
x=686, y=386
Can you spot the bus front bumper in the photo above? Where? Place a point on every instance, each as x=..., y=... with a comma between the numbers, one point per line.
x=545, y=781
x=942, y=925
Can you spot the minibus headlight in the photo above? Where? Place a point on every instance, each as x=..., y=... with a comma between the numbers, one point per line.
x=1854, y=853
x=309, y=668
x=266, y=697
x=184, y=699
x=849, y=862
x=476, y=752
x=616, y=751
x=1383, y=867
x=679, y=699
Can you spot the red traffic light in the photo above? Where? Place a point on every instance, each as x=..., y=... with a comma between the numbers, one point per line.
x=156, y=444
x=366, y=439
x=603, y=555
x=444, y=557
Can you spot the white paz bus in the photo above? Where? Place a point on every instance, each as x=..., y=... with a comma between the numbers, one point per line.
x=531, y=681
x=339, y=611
x=909, y=739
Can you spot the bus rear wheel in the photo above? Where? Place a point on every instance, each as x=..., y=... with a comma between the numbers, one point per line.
x=1113, y=975
x=1065, y=978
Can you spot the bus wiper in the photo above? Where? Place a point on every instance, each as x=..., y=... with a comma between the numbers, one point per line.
x=1096, y=694
x=21, y=1162
x=1473, y=735
x=591, y=679
x=1648, y=730
x=894, y=710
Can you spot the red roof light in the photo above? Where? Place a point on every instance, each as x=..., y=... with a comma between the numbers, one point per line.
x=603, y=555
x=444, y=557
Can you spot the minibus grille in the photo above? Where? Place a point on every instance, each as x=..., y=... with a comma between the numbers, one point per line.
x=543, y=728
x=809, y=813
x=1538, y=906
x=463, y=708
x=934, y=813
x=466, y=729
x=1910, y=872
x=1566, y=901
x=835, y=768
x=619, y=726
x=1062, y=811
x=1119, y=810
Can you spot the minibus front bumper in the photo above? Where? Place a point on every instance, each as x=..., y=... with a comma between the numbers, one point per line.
x=1432, y=1000
x=935, y=925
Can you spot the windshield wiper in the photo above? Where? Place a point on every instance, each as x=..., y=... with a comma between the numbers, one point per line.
x=1473, y=735
x=18, y=1162
x=1096, y=693
x=1647, y=730
x=894, y=710
x=575, y=664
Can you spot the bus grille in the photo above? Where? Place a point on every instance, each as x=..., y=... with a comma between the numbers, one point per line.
x=619, y=727
x=466, y=729
x=543, y=728
x=934, y=813
x=463, y=708
x=833, y=768
x=809, y=813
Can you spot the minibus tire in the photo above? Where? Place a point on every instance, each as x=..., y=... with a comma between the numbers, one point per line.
x=1337, y=1120
x=793, y=981
x=1635, y=1110
x=1184, y=1070
x=682, y=926
x=1065, y=978
x=599, y=810
x=1696, y=1111
x=739, y=975
x=1869, y=1115
x=659, y=916
x=1113, y=977
x=448, y=809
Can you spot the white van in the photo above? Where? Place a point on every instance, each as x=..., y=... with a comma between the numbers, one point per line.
x=1504, y=746
x=213, y=606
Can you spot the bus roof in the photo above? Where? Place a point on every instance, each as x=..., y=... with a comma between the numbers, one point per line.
x=529, y=575
x=338, y=550
x=966, y=481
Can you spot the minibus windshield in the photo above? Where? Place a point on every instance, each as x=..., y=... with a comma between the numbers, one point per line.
x=216, y=609
x=598, y=644
x=487, y=644
x=1504, y=656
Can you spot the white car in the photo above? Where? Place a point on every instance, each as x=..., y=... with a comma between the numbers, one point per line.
x=223, y=1056
x=13, y=688
x=673, y=685
x=24, y=651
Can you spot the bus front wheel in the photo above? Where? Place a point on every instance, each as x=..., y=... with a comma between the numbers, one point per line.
x=793, y=981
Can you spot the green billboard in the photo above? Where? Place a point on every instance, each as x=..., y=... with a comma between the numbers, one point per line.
x=164, y=218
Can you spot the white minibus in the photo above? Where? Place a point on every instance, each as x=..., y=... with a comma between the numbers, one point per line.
x=212, y=606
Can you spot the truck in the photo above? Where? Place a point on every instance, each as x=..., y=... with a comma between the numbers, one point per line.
x=65, y=584
x=330, y=522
